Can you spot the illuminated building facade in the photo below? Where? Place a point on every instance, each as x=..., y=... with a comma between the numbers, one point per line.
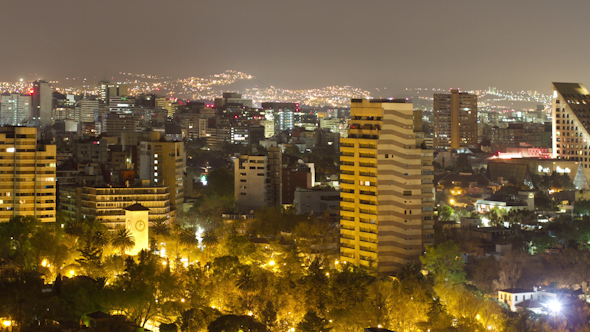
x=107, y=203
x=455, y=120
x=164, y=164
x=15, y=109
x=571, y=123
x=28, y=185
x=42, y=104
x=387, y=186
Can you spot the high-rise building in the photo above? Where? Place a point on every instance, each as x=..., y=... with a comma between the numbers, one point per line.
x=455, y=120
x=283, y=115
x=250, y=173
x=28, y=185
x=117, y=123
x=274, y=188
x=167, y=104
x=15, y=109
x=164, y=164
x=571, y=128
x=109, y=90
x=87, y=110
x=42, y=104
x=258, y=180
x=121, y=104
x=387, y=186
x=230, y=99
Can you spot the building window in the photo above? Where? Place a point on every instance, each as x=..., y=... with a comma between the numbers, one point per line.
x=407, y=193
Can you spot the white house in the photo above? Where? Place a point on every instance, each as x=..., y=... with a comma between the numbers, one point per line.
x=520, y=298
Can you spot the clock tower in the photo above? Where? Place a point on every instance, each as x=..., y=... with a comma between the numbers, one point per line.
x=137, y=222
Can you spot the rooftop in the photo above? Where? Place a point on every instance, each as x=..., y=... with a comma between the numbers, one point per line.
x=136, y=207
x=517, y=290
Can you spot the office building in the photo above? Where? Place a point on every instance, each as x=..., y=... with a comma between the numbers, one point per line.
x=283, y=115
x=117, y=123
x=15, y=109
x=28, y=185
x=167, y=104
x=87, y=110
x=164, y=164
x=109, y=90
x=455, y=120
x=230, y=99
x=517, y=135
x=41, y=104
x=387, y=187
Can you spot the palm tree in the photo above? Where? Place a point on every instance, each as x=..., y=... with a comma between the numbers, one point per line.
x=248, y=284
x=74, y=228
x=123, y=240
x=101, y=238
x=159, y=231
x=161, y=228
x=209, y=240
x=188, y=238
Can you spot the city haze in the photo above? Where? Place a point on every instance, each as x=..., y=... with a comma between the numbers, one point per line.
x=301, y=44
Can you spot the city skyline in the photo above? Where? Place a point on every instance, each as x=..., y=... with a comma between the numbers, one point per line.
x=383, y=44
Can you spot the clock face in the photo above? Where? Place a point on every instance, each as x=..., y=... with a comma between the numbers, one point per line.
x=140, y=225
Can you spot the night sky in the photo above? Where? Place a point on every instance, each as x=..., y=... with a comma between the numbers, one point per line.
x=304, y=43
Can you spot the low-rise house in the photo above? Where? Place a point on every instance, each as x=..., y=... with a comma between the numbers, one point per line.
x=521, y=298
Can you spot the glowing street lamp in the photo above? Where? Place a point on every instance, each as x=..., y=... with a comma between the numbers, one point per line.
x=554, y=306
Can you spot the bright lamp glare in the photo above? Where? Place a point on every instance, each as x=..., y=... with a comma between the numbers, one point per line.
x=554, y=306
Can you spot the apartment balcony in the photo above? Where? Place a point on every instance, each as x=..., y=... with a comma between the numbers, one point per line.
x=372, y=198
x=347, y=246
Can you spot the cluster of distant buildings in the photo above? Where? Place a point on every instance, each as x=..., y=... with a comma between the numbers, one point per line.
x=114, y=150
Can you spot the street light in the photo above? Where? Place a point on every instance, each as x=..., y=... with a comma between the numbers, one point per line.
x=554, y=306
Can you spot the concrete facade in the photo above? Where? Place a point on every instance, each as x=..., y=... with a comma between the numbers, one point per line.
x=387, y=187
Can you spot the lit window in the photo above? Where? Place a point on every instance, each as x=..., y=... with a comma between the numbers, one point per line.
x=9, y=149
x=156, y=168
x=155, y=161
x=156, y=155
